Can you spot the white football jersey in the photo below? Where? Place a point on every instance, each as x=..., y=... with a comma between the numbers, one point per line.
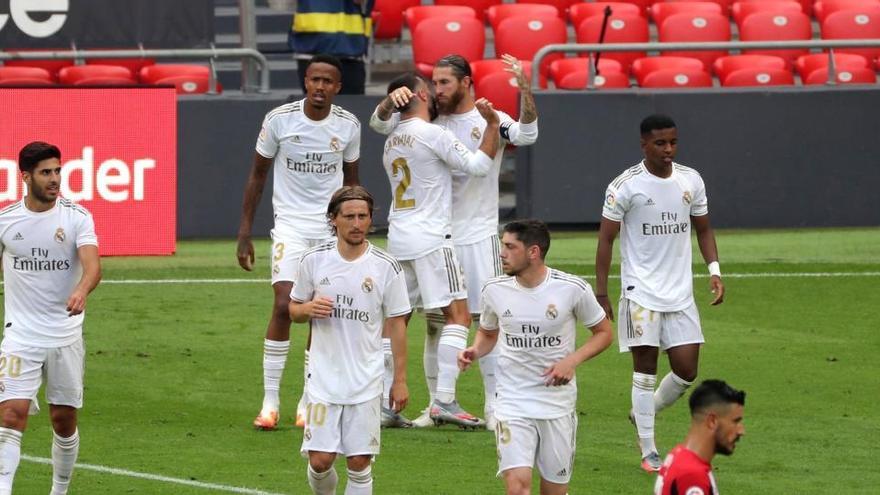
x=537, y=329
x=345, y=359
x=474, y=199
x=308, y=165
x=419, y=158
x=41, y=269
x=655, y=233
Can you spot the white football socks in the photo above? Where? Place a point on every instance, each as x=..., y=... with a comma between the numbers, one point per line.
x=488, y=364
x=64, y=453
x=453, y=339
x=388, y=379
x=429, y=358
x=274, y=357
x=323, y=483
x=360, y=482
x=643, y=410
x=10, y=456
x=671, y=388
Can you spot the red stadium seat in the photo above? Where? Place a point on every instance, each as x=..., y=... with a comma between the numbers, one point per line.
x=479, y=6
x=741, y=10
x=152, y=73
x=415, y=15
x=24, y=73
x=188, y=84
x=523, y=36
x=807, y=64
x=437, y=37
x=806, y=5
x=774, y=26
x=498, y=13
x=565, y=66
x=724, y=4
x=580, y=11
x=388, y=18
x=25, y=81
x=96, y=75
x=53, y=65
x=843, y=76
x=758, y=76
x=688, y=27
x=854, y=24
x=621, y=29
x=578, y=80
x=677, y=78
x=725, y=65
x=660, y=11
x=644, y=5
x=561, y=6
x=643, y=66
x=134, y=64
x=482, y=68
x=500, y=88
x=824, y=8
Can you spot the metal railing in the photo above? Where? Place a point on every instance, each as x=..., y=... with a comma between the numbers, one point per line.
x=668, y=47
x=208, y=53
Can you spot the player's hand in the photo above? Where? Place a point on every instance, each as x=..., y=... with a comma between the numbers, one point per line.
x=606, y=305
x=487, y=112
x=560, y=373
x=400, y=96
x=717, y=288
x=466, y=358
x=399, y=396
x=245, y=253
x=515, y=67
x=76, y=303
x=319, y=307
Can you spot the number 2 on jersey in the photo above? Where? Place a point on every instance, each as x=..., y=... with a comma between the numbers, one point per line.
x=400, y=166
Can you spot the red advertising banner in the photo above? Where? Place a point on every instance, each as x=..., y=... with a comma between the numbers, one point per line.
x=118, y=155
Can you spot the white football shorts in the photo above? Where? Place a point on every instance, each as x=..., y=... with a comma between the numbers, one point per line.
x=285, y=255
x=22, y=369
x=480, y=261
x=434, y=280
x=347, y=429
x=549, y=443
x=637, y=326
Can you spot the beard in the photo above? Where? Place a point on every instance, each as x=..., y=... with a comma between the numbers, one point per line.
x=39, y=193
x=451, y=103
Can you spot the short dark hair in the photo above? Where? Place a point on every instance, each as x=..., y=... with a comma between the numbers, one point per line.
x=408, y=80
x=714, y=392
x=323, y=58
x=35, y=152
x=656, y=122
x=347, y=193
x=459, y=65
x=531, y=233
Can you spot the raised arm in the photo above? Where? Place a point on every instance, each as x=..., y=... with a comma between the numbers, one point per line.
x=528, y=112
x=253, y=191
x=385, y=118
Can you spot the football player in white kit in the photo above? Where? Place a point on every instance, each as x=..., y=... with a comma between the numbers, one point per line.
x=313, y=148
x=531, y=315
x=654, y=205
x=419, y=159
x=50, y=266
x=347, y=288
x=474, y=199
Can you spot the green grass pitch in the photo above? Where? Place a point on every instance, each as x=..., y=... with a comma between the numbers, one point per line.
x=174, y=380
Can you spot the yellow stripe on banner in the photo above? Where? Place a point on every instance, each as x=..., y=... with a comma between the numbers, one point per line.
x=319, y=22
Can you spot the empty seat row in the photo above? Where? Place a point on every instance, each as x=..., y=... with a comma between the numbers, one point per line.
x=185, y=77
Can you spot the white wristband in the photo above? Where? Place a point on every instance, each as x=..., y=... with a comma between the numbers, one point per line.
x=715, y=269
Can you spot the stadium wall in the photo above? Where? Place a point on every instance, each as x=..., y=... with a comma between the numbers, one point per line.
x=784, y=158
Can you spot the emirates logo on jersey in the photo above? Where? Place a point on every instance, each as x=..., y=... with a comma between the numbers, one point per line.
x=686, y=197
x=476, y=134
x=59, y=235
x=551, y=312
x=367, y=286
x=334, y=144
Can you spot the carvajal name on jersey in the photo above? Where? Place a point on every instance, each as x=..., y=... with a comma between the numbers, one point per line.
x=35, y=264
x=531, y=338
x=399, y=140
x=313, y=164
x=670, y=225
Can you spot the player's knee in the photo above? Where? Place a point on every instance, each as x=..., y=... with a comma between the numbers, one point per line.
x=688, y=374
x=517, y=486
x=321, y=461
x=358, y=462
x=13, y=417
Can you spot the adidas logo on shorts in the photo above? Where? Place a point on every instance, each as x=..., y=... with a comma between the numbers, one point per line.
x=325, y=281
x=507, y=314
x=562, y=473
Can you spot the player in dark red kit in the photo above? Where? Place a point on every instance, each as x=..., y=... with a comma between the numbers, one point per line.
x=716, y=426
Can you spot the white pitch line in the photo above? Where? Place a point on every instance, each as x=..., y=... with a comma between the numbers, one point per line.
x=154, y=477
x=173, y=281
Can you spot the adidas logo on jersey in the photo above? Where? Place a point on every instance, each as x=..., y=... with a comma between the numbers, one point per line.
x=295, y=139
x=324, y=281
x=18, y=237
x=507, y=314
x=649, y=202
